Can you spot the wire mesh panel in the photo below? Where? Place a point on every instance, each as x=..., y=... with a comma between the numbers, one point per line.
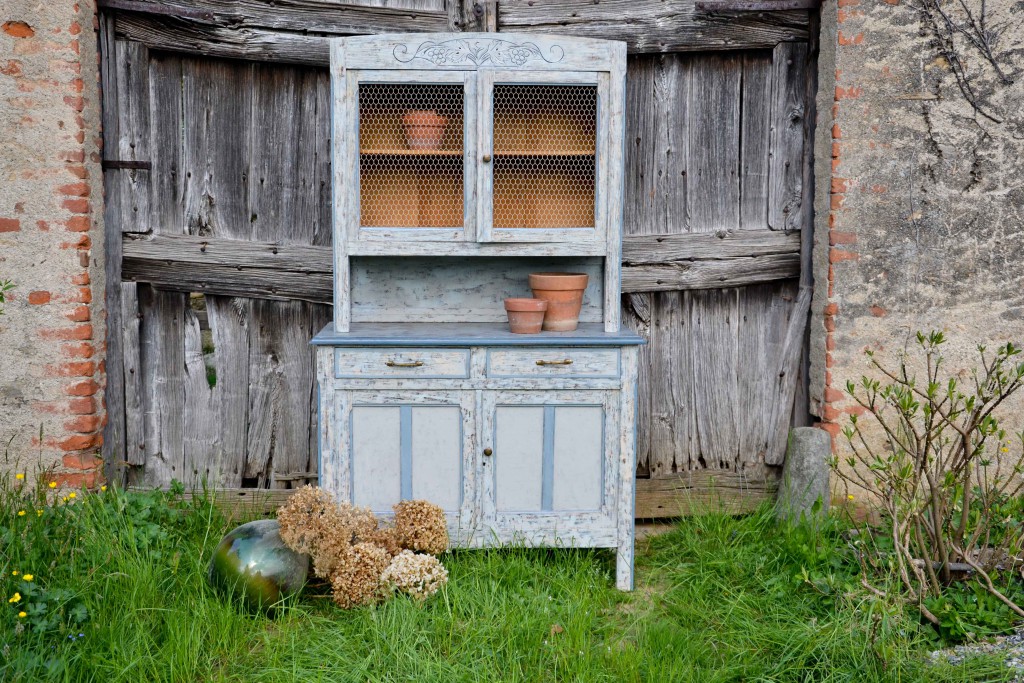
x=544, y=156
x=410, y=155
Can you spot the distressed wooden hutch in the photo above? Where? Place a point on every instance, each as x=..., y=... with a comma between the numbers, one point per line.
x=423, y=392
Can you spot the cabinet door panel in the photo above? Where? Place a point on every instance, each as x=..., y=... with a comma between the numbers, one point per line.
x=404, y=445
x=519, y=441
x=435, y=450
x=376, y=456
x=550, y=477
x=577, y=450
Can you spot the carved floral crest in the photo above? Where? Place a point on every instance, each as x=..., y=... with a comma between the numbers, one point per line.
x=462, y=51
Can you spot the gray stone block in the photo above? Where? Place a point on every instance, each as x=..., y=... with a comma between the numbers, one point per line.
x=805, y=474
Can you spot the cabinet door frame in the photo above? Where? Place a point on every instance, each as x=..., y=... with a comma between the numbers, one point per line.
x=551, y=527
x=486, y=232
x=346, y=400
x=350, y=131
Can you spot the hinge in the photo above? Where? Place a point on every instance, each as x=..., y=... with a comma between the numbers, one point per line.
x=131, y=165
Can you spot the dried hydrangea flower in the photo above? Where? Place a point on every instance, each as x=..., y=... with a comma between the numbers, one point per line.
x=357, y=576
x=386, y=538
x=421, y=526
x=304, y=518
x=414, y=574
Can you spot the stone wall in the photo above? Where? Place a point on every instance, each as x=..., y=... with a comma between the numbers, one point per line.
x=920, y=214
x=51, y=333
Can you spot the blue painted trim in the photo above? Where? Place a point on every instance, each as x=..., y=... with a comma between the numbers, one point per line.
x=547, y=462
x=405, y=444
x=351, y=454
x=616, y=373
x=468, y=334
x=319, y=438
x=411, y=375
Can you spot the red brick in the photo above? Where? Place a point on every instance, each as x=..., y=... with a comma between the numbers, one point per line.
x=82, y=406
x=80, y=279
x=878, y=311
x=75, y=28
x=79, y=314
x=74, y=189
x=68, y=334
x=84, y=424
x=18, y=29
x=75, y=156
x=87, y=388
x=77, y=480
x=83, y=350
x=76, y=103
x=838, y=237
x=82, y=462
x=77, y=205
x=833, y=395
x=830, y=427
x=78, y=171
x=79, y=223
x=81, y=295
x=839, y=185
x=43, y=226
x=38, y=297
x=837, y=134
x=836, y=201
x=79, y=442
x=850, y=93
x=849, y=40
x=73, y=369
x=849, y=3
x=831, y=308
x=835, y=150
x=839, y=255
x=11, y=67
x=829, y=414
x=10, y=225
x=830, y=343
x=830, y=324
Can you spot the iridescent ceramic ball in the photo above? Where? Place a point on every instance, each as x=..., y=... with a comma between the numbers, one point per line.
x=254, y=564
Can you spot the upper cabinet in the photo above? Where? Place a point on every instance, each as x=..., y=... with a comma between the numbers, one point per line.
x=474, y=143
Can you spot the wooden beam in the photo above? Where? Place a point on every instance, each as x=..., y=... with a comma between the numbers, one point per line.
x=692, y=493
x=259, y=270
x=652, y=263
x=703, y=491
x=710, y=274
x=655, y=25
x=723, y=244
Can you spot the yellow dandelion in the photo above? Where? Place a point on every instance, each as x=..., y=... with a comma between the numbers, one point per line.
x=15, y=572
x=849, y=497
x=39, y=513
x=22, y=615
x=15, y=598
x=28, y=577
x=64, y=499
x=71, y=495
x=19, y=476
x=21, y=513
x=1004, y=449
x=103, y=488
x=53, y=484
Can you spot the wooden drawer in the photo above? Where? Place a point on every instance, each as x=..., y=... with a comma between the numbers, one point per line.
x=399, y=363
x=553, y=362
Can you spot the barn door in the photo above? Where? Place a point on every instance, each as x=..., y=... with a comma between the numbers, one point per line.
x=218, y=230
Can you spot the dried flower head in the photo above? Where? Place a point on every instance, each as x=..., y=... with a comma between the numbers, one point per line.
x=386, y=538
x=357, y=576
x=305, y=517
x=414, y=574
x=421, y=526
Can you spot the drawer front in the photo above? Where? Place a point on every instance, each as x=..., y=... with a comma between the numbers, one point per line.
x=553, y=362
x=399, y=363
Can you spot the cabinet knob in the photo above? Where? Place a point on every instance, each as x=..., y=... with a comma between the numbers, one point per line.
x=487, y=451
x=486, y=158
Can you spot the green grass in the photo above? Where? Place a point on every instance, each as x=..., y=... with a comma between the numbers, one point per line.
x=718, y=599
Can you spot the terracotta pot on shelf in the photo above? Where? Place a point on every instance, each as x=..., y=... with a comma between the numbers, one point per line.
x=525, y=316
x=564, y=294
x=424, y=128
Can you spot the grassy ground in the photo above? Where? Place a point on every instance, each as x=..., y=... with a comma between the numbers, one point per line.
x=118, y=592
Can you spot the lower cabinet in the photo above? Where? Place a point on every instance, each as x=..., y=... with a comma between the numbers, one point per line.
x=517, y=450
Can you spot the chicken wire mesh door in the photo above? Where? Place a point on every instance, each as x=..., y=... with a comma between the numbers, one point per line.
x=411, y=159
x=541, y=155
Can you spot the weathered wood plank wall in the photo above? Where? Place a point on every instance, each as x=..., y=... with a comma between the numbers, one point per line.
x=227, y=101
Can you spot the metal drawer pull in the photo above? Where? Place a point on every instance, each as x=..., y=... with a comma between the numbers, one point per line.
x=395, y=364
x=567, y=361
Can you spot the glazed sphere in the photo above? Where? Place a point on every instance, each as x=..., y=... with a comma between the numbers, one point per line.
x=253, y=563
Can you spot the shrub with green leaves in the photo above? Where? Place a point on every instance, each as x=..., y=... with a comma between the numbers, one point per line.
x=946, y=479
x=5, y=286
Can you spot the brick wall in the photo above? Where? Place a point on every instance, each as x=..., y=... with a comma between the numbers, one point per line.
x=920, y=214
x=51, y=335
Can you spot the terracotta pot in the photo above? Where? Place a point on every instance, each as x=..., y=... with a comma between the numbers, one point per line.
x=424, y=129
x=525, y=316
x=564, y=294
